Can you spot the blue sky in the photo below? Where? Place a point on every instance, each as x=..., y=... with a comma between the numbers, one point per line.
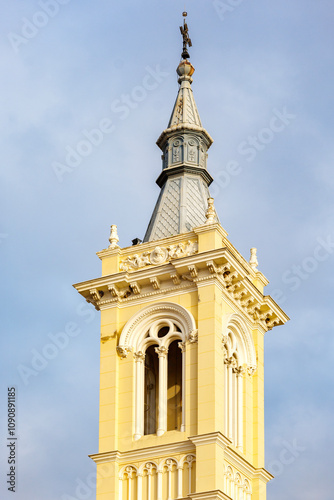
x=260, y=66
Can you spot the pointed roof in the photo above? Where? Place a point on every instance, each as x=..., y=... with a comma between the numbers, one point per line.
x=185, y=110
x=184, y=180
x=185, y=114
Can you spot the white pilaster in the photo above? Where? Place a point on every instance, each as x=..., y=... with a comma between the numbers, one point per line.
x=162, y=417
x=139, y=412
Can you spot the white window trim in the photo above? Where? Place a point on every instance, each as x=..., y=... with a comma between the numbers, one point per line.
x=239, y=355
x=134, y=338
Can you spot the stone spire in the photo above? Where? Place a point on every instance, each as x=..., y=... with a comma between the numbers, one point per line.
x=184, y=179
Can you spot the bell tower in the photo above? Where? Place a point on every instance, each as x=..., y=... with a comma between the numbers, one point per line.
x=183, y=318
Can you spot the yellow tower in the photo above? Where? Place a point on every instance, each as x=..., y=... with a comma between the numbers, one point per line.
x=183, y=318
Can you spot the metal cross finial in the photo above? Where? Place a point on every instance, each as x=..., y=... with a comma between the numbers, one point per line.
x=186, y=39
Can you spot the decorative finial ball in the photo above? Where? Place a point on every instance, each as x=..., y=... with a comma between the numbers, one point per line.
x=184, y=14
x=185, y=69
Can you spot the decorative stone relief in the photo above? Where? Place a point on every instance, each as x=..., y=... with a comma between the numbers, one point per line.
x=192, y=151
x=123, y=351
x=139, y=356
x=251, y=370
x=229, y=277
x=161, y=351
x=175, y=278
x=155, y=283
x=193, y=271
x=113, y=290
x=193, y=337
x=96, y=294
x=202, y=157
x=135, y=288
x=182, y=346
x=159, y=255
x=272, y=322
x=176, y=151
x=179, y=111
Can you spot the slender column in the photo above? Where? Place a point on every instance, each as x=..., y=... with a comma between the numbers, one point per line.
x=226, y=398
x=120, y=488
x=149, y=475
x=139, y=486
x=139, y=411
x=169, y=473
x=230, y=402
x=129, y=488
x=190, y=465
x=182, y=346
x=179, y=481
x=129, y=471
x=159, y=486
x=235, y=406
x=240, y=407
x=162, y=418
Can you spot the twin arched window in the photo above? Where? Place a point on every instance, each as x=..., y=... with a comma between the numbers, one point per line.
x=239, y=355
x=159, y=379
x=157, y=336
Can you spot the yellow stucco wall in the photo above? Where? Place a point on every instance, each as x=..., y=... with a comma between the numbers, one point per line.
x=208, y=302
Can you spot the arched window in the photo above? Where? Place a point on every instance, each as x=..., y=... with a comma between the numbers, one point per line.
x=174, y=387
x=151, y=387
x=162, y=358
x=157, y=336
x=239, y=355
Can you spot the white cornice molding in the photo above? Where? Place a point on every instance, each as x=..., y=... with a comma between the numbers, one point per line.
x=164, y=450
x=276, y=308
x=209, y=495
x=205, y=228
x=211, y=438
x=186, y=274
x=263, y=475
x=109, y=252
x=146, y=298
x=232, y=457
x=101, y=458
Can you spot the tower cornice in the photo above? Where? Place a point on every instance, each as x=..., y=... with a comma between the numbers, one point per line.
x=182, y=128
x=184, y=169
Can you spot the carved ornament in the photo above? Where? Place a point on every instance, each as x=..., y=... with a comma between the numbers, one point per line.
x=159, y=256
x=123, y=351
x=193, y=336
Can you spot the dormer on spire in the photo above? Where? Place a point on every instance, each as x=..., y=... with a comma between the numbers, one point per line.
x=184, y=180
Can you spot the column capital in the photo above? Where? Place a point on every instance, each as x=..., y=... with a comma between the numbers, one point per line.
x=139, y=356
x=161, y=351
